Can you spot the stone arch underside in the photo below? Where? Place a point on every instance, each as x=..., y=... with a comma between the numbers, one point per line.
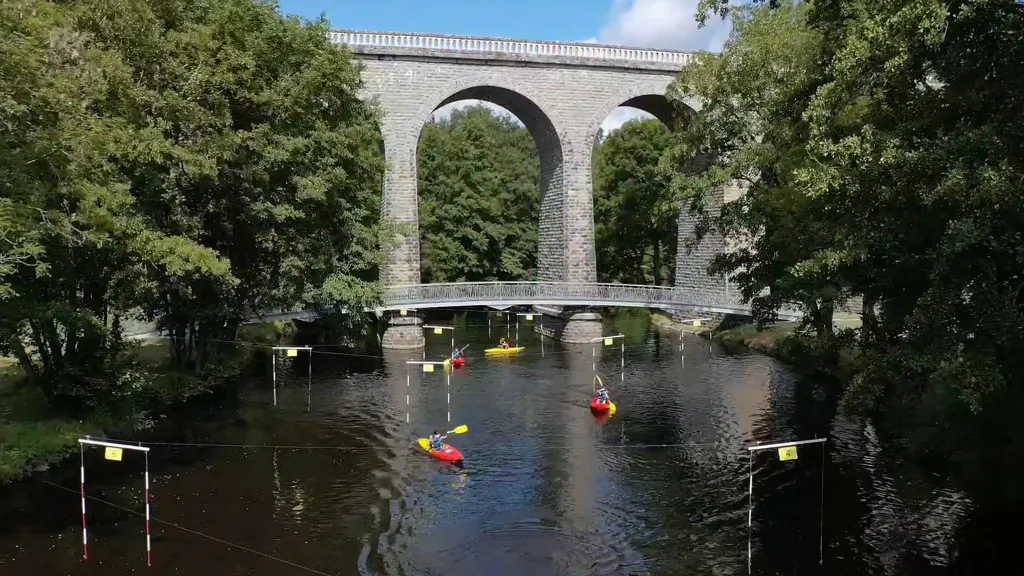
x=406, y=107
x=654, y=104
x=551, y=245
x=691, y=261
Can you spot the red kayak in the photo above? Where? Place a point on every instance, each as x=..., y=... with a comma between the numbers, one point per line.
x=596, y=405
x=446, y=453
x=459, y=362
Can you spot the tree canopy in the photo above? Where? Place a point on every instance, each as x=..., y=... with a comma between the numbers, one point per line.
x=881, y=146
x=479, y=195
x=635, y=212
x=190, y=161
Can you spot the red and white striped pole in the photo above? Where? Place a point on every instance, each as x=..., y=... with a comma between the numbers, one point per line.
x=85, y=537
x=149, y=548
x=114, y=455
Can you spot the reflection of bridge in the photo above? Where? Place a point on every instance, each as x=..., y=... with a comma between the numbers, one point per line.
x=501, y=294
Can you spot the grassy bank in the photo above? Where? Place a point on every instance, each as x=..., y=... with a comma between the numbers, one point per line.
x=783, y=342
x=665, y=320
x=748, y=336
x=33, y=437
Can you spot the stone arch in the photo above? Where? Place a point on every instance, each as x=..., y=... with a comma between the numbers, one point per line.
x=648, y=96
x=553, y=146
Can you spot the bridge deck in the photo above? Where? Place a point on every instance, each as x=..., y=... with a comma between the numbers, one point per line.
x=504, y=294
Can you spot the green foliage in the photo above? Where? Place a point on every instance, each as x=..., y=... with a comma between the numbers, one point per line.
x=750, y=130
x=63, y=209
x=634, y=210
x=881, y=144
x=479, y=179
x=273, y=196
x=920, y=133
x=198, y=160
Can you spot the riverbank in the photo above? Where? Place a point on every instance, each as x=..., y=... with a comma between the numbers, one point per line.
x=664, y=320
x=782, y=342
x=33, y=437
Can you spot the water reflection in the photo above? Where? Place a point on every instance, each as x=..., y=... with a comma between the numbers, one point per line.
x=547, y=488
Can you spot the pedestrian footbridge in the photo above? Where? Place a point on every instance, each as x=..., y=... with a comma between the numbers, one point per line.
x=506, y=294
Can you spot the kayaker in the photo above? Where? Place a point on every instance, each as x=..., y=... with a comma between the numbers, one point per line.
x=602, y=396
x=503, y=344
x=435, y=440
x=457, y=354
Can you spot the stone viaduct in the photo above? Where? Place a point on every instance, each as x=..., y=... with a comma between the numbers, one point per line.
x=562, y=92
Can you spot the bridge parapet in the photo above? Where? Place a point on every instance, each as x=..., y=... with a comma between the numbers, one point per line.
x=484, y=48
x=562, y=294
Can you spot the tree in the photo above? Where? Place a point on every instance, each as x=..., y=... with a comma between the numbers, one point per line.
x=479, y=178
x=634, y=211
x=920, y=133
x=253, y=159
x=884, y=162
x=63, y=208
x=199, y=161
x=751, y=130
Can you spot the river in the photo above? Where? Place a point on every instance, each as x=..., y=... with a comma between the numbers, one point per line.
x=661, y=487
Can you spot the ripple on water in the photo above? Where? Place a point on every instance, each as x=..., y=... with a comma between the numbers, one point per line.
x=660, y=487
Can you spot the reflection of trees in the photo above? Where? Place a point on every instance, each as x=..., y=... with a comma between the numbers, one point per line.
x=909, y=522
x=689, y=492
x=885, y=515
x=289, y=499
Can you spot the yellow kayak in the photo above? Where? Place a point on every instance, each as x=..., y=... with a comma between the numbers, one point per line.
x=504, y=351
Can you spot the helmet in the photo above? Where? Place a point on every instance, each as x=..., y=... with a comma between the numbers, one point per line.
x=436, y=433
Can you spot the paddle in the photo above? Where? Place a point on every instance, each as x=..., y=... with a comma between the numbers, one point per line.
x=458, y=430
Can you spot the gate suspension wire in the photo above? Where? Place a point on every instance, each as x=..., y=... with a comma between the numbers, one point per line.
x=195, y=532
x=350, y=354
x=362, y=448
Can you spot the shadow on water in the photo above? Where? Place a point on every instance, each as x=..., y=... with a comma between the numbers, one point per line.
x=661, y=487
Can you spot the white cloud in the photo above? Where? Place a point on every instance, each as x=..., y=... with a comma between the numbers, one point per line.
x=669, y=24
x=620, y=116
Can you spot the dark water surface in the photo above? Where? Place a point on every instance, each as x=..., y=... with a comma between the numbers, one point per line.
x=547, y=489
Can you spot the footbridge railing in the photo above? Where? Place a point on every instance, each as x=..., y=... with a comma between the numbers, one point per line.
x=500, y=294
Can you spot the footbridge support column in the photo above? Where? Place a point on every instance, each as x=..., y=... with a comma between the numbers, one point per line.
x=403, y=333
x=582, y=327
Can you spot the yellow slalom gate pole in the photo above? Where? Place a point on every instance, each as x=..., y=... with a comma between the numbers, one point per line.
x=429, y=367
x=113, y=451
x=294, y=351
x=440, y=330
x=787, y=451
x=608, y=340
x=529, y=316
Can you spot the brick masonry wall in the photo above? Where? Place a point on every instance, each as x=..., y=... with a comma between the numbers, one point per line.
x=692, y=263
x=562, y=105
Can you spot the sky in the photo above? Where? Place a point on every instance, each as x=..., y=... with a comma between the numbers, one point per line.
x=637, y=23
